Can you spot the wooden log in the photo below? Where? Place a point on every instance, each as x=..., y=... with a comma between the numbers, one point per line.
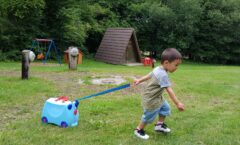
x=25, y=64
x=73, y=56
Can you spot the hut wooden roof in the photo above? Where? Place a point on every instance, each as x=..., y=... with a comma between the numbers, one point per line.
x=114, y=44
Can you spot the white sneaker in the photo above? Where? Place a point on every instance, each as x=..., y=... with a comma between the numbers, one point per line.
x=162, y=128
x=141, y=134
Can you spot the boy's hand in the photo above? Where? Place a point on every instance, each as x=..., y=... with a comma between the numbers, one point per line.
x=180, y=106
x=142, y=79
x=136, y=82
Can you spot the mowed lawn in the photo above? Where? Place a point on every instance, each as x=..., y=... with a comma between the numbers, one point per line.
x=210, y=94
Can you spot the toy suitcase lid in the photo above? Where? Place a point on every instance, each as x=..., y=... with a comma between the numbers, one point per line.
x=58, y=101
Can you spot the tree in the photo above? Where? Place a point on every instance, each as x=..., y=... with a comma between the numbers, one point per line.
x=219, y=31
x=162, y=24
x=20, y=22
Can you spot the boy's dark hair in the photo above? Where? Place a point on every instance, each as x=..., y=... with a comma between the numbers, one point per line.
x=170, y=54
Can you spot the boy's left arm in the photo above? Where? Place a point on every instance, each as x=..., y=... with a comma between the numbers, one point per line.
x=173, y=97
x=142, y=79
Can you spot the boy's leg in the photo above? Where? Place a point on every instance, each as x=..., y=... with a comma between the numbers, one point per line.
x=161, y=126
x=163, y=112
x=147, y=117
x=161, y=118
x=139, y=131
x=141, y=125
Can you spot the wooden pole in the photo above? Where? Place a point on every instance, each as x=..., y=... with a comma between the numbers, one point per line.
x=72, y=55
x=25, y=64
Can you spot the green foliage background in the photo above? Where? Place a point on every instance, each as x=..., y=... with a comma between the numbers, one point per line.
x=203, y=30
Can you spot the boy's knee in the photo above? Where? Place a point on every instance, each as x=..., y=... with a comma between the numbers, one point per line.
x=165, y=109
x=147, y=120
x=149, y=116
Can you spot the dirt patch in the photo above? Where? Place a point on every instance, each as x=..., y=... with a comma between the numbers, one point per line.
x=110, y=80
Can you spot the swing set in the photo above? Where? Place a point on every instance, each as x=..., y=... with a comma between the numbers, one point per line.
x=39, y=46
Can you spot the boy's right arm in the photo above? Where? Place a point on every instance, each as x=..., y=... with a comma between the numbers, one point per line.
x=142, y=79
x=173, y=97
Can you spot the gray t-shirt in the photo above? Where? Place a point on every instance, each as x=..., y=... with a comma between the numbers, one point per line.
x=152, y=96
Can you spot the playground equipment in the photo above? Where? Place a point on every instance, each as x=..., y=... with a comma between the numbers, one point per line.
x=40, y=46
x=64, y=113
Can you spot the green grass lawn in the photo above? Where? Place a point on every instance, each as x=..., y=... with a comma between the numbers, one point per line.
x=210, y=94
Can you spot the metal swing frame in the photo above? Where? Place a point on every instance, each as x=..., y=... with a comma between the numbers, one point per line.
x=51, y=44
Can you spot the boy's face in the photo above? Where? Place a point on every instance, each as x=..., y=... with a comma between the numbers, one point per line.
x=172, y=66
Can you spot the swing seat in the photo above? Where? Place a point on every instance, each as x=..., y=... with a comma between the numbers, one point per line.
x=40, y=56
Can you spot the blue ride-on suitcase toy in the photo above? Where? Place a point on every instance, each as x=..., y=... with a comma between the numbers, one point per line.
x=64, y=113
x=60, y=111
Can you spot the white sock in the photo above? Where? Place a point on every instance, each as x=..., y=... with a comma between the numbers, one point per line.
x=159, y=122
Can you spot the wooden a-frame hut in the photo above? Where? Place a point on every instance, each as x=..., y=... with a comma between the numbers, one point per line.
x=119, y=46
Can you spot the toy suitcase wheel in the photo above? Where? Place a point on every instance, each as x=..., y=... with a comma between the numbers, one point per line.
x=44, y=120
x=64, y=124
